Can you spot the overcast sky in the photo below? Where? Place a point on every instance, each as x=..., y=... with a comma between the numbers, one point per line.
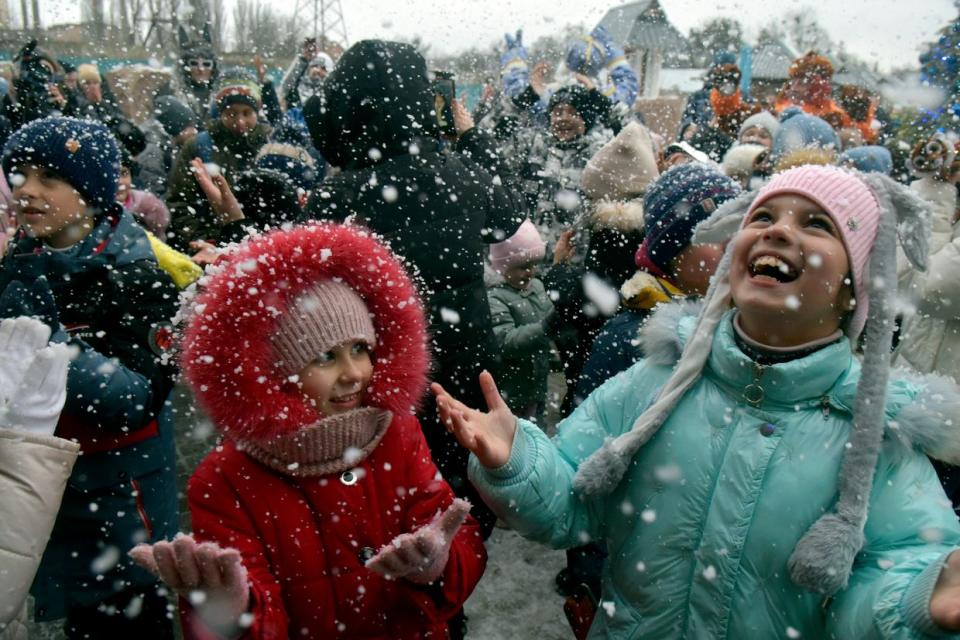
x=890, y=32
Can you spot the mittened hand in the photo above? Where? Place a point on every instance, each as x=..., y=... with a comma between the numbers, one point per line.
x=20, y=339
x=36, y=404
x=421, y=556
x=211, y=577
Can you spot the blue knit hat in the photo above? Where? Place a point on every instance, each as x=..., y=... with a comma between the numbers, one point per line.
x=587, y=55
x=875, y=159
x=801, y=131
x=83, y=152
x=678, y=201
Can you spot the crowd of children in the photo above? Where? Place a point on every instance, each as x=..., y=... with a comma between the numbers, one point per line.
x=740, y=452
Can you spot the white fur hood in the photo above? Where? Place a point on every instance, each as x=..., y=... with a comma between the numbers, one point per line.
x=925, y=408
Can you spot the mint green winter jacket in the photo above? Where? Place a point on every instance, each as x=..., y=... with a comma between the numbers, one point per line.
x=700, y=529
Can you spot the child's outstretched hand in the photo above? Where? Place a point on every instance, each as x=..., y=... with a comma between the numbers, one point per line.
x=421, y=556
x=489, y=436
x=218, y=193
x=211, y=577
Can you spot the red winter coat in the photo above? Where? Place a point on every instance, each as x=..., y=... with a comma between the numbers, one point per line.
x=304, y=541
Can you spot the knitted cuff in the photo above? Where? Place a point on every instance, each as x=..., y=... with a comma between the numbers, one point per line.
x=916, y=601
x=520, y=463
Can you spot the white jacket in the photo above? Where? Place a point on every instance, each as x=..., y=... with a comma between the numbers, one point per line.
x=931, y=325
x=33, y=474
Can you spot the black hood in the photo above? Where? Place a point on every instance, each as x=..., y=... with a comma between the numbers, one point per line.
x=374, y=105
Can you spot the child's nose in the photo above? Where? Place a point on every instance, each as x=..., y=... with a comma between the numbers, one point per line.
x=779, y=231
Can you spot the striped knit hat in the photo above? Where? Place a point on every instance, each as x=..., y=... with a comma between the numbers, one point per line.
x=237, y=86
x=871, y=211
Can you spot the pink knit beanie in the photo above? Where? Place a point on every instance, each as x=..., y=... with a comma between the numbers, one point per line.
x=525, y=245
x=853, y=208
x=325, y=315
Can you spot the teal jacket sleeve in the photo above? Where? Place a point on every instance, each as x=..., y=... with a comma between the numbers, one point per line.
x=910, y=530
x=533, y=492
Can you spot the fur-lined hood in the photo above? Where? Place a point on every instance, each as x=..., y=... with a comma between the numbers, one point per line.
x=228, y=356
x=923, y=410
x=618, y=215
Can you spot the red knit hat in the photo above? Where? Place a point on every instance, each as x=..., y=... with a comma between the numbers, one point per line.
x=229, y=355
x=811, y=64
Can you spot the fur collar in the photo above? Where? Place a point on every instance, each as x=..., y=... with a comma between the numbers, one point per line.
x=923, y=410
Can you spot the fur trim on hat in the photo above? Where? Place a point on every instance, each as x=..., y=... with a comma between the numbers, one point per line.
x=811, y=64
x=618, y=215
x=229, y=359
x=805, y=156
x=738, y=161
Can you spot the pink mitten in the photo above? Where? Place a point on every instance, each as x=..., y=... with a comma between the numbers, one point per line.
x=421, y=556
x=212, y=578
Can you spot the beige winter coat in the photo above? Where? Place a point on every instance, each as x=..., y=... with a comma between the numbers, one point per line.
x=931, y=324
x=33, y=474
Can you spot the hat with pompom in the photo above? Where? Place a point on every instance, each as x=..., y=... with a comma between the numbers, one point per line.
x=83, y=152
x=871, y=211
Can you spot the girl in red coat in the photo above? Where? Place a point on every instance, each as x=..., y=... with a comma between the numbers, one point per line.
x=321, y=514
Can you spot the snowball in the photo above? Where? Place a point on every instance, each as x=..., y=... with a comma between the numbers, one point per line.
x=792, y=302
x=107, y=560
x=389, y=193
x=197, y=597
x=374, y=154
x=605, y=297
x=609, y=607
x=212, y=168
x=648, y=515
x=792, y=633
x=567, y=200
x=352, y=455
x=449, y=315
x=641, y=567
x=325, y=254
x=668, y=473
x=815, y=260
x=710, y=573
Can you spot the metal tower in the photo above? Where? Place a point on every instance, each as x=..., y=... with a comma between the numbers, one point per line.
x=327, y=19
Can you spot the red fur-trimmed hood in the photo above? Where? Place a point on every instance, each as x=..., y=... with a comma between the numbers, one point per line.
x=229, y=359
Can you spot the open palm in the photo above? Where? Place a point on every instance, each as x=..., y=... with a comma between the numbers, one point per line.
x=488, y=435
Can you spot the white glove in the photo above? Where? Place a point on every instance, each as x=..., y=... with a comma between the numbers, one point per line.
x=20, y=339
x=35, y=406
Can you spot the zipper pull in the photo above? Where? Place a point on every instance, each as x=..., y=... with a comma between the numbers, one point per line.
x=753, y=393
x=825, y=407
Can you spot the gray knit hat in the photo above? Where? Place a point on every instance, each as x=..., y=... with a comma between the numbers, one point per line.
x=325, y=315
x=823, y=559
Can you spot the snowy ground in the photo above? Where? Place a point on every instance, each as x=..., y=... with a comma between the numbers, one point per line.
x=515, y=597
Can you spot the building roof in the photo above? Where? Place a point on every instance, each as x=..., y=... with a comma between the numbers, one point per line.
x=772, y=60
x=642, y=25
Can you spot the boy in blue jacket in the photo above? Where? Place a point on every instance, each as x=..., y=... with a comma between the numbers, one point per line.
x=82, y=263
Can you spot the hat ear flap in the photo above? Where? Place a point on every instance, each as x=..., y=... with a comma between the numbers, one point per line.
x=912, y=215
x=725, y=221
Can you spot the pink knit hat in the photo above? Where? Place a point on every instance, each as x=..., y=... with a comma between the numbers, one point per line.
x=325, y=315
x=852, y=206
x=525, y=245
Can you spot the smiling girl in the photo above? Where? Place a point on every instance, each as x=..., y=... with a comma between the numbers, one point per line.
x=321, y=514
x=751, y=477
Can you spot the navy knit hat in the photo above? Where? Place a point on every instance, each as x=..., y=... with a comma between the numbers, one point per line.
x=678, y=201
x=173, y=115
x=83, y=152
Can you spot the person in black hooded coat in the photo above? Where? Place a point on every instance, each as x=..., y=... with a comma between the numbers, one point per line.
x=438, y=209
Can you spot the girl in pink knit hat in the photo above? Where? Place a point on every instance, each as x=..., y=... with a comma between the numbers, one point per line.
x=753, y=477
x=321, y=513
x=519, y=310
